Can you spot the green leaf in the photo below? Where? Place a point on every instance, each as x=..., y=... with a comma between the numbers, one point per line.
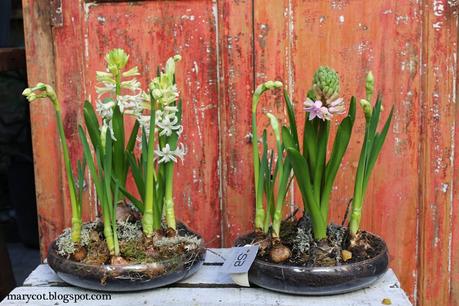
x=138, y=204
x=341, y=142
x=292, y=120
x=118, y=146
x=92, y=125
x=303, y=179
x=90, y=162
x=259, y=210
x=377, y=146
x=310, y=141
x=137, y=174
x=284, y=181
x=287, y=138
x=323, y=133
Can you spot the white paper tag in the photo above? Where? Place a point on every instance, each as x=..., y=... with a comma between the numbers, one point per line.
x=239, y=263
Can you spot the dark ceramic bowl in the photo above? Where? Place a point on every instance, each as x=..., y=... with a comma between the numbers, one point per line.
x=130, y=277
x=318, y=280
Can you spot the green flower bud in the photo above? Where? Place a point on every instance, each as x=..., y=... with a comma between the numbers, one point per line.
x=269, y=84
x=170, y=66
x=43, y=86
x=27, y=92
x=370, y=85
x=43, y=91
x=261, y=89
x=116, y=59
x=278, y=84
x=325, y=83
x=367, y=109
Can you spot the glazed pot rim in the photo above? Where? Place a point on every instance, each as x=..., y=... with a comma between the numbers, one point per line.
x=326, y=268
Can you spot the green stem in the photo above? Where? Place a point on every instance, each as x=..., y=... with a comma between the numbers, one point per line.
x=356, y=214
x=269, y=206
x=108, y=233
x=259, y=211
x=168, y=196
x=76, y=210
x=114, y=224
x=147, y=219
x=118, y=84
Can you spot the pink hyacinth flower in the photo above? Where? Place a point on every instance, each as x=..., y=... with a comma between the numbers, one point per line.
x=316, y=109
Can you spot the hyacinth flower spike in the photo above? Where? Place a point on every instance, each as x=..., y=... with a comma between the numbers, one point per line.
x=314, y=174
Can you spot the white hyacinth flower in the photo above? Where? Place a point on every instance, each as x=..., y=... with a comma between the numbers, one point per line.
x=132, y=85
x=132, y=105
x=167, y=121
x=105, y=109
x=166, y=155
x=107, y=87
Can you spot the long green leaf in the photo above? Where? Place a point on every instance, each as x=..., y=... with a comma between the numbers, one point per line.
x=92, y=125
x=302, y=174
x=137, y=203
x=303, y=179
x=137, y=174
x=292, y=120
x=119, y=160
x=287, y=138
x=310, y=142
x=377, y=146
x=324, y=131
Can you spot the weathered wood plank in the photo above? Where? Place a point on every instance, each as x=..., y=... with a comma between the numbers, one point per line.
x=70, y=86
x=439, y=81
x=387, y=287
x=48, y=170
x=236, y=87
x=44, y=276
x=454, y=189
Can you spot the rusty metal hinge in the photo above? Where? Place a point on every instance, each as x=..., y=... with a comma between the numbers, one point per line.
x=56, y=13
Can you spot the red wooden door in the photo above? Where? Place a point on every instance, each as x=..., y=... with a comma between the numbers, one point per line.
x=228, y=46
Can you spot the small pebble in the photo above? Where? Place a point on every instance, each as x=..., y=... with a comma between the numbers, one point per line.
x=386, y=301
x=346, y=255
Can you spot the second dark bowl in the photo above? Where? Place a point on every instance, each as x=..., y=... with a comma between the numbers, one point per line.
x=301, y=280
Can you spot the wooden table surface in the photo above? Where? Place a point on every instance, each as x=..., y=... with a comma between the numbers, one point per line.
x=209, y=286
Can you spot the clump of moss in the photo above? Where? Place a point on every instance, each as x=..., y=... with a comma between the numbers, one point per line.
x=302, y=241
x=98, y=253
x=128, y=231
x=189, y=243
x=134, y=251
x=65, y=245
